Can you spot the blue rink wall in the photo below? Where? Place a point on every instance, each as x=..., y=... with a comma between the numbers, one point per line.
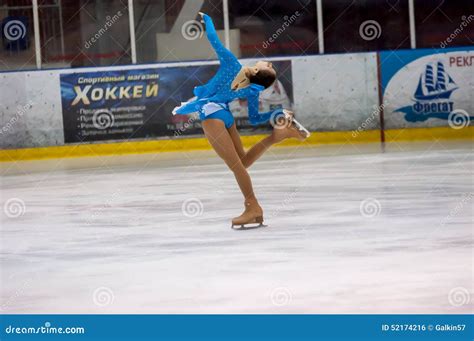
x=423, y=88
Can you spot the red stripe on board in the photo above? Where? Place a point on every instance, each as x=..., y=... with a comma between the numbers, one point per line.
x=381, y=107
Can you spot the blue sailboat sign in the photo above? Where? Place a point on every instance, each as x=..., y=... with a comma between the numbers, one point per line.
x=431, y=87
x=432, y=95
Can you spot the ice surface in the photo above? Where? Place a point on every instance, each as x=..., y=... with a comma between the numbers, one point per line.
x=352, y=230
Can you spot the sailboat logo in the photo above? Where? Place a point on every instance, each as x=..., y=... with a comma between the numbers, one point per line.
x=431, y=87
x=432, y=95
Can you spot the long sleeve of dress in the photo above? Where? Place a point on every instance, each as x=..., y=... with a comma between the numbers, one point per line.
x=218, y=89
x=255, y=116
x=250, y=93
x=225, y=56
x=228, y=69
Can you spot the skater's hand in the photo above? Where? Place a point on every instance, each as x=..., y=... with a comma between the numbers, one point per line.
x=202, y=16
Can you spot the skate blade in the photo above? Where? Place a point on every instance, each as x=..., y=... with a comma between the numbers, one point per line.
x=248, y=226
x=300, y=127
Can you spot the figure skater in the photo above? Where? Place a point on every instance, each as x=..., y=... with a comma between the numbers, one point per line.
x=212, y=100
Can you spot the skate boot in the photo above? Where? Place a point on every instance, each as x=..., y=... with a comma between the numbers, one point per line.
x=303, y=133
x=289, y=128
x=290, y=131
x=250, y=219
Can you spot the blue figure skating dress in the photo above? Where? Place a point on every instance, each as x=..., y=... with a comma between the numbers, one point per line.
x=212, y=99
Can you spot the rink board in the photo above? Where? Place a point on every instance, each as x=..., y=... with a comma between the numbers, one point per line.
x=428, y=88
x=181, y=145
x=337, y=96
x=329, y=95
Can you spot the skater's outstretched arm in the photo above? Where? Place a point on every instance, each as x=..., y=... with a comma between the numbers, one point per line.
x=225, y=56
x=230, y=66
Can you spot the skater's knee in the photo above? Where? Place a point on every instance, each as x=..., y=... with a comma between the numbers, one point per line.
x=236, y=166
x=245, y=162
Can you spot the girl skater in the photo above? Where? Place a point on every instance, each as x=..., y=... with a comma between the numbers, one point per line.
x=212, y=102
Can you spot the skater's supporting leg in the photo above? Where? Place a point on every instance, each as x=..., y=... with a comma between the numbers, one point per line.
x=222, y=143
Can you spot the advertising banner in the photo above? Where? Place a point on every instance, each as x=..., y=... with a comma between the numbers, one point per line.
x=423, y=88
x=124, y=104
x=138, y=103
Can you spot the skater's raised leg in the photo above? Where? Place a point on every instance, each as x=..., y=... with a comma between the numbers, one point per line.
x=222, y=143
x=253, y=154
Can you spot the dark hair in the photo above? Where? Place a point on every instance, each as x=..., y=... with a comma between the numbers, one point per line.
x=264, y=78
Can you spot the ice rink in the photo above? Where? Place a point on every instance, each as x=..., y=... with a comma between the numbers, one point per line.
x=352, y=230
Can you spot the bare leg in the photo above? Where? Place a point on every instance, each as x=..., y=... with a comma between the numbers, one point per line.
x=257, y=150
x=254, y=153
x=227, y=144
x=222, y=143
